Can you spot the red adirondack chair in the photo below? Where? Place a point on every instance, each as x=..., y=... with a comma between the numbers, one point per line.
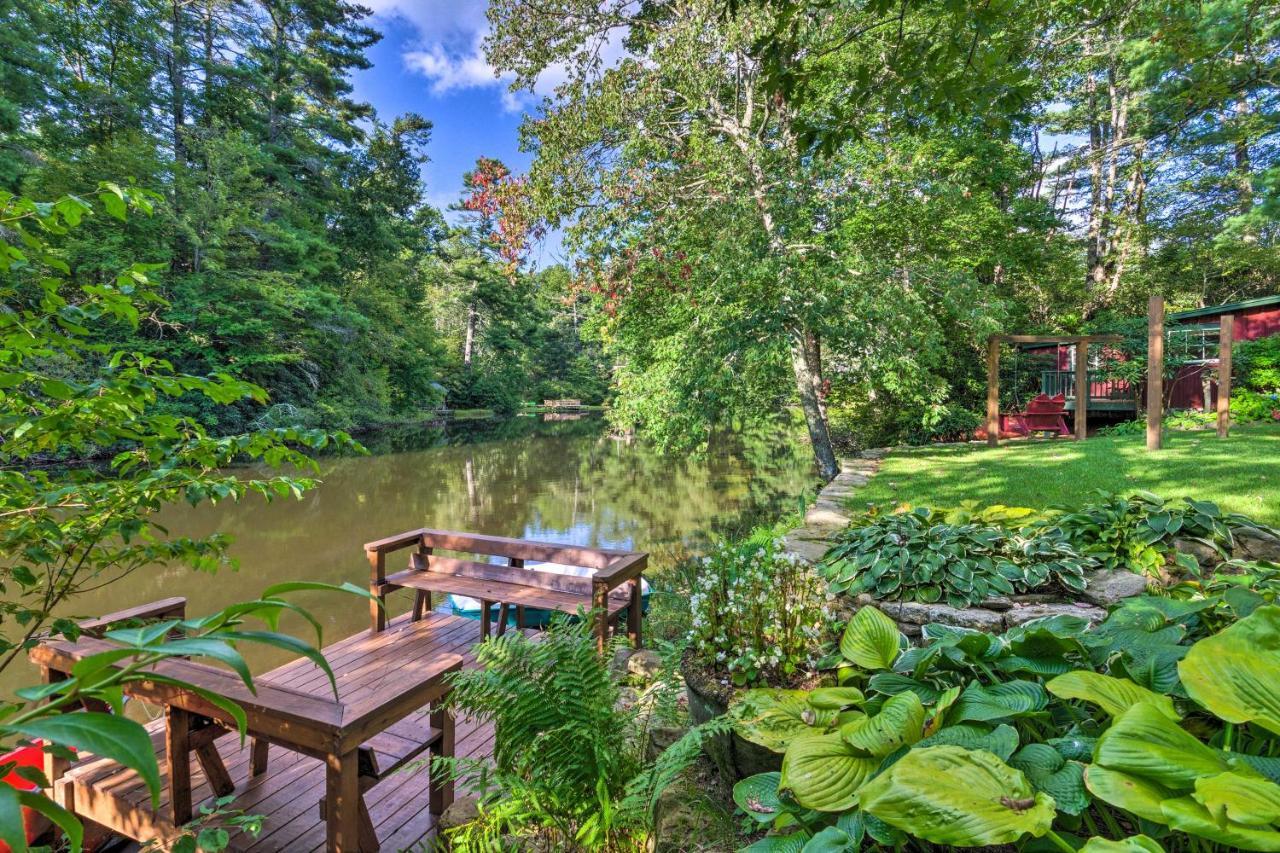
x=1045, y=414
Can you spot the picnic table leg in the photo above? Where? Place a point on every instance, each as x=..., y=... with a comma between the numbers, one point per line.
x=258, y=757
x=634, y=614
x=177, y=742
x=440, y=786
x=342, y=802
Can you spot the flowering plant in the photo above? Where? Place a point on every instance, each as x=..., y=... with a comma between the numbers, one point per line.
x=758, y=612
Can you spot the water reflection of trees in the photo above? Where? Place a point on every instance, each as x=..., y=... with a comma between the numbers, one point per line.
x=557, y=480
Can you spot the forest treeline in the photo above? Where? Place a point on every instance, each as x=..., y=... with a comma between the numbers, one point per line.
x=293, y=245
x=769, y=204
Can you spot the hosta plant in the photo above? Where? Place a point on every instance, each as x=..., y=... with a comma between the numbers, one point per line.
x=917, y=555
x=956, y=742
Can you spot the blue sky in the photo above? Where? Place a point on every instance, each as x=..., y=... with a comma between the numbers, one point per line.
x=430, y=62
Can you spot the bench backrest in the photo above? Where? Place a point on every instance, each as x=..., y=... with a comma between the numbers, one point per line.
x=529, y=576
x=1046, y=405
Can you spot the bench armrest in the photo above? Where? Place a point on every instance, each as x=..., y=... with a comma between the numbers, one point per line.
x=620, y=570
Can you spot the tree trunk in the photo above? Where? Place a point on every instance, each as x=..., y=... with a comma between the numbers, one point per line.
x=809, y=387
x=468, y=343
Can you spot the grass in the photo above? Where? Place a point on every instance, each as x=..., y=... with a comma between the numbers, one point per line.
x=1240, y=473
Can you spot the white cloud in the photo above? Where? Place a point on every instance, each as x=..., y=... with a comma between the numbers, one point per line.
x=450, y=49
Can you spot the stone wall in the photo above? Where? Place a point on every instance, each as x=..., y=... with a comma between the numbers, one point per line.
x=829, y=515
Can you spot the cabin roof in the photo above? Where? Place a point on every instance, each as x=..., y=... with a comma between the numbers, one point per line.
x=1228, y=308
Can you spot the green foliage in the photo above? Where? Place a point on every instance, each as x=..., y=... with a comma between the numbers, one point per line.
x=65, y=522
x=758, y=613
x=569, y=767
x=47, y=712
x=1256, y=364
x=915, y=555
x=1138, y=532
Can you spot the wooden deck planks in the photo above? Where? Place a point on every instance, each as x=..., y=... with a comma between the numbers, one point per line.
x=289, y=793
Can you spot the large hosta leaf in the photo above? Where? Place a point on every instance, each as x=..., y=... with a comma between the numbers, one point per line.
x=949, y=795
x=1236, y=672
x=1185, y=814
x=1049, y=772
x=1113, y=695
x=870, y=640
x=1135, y=795
x=1000, y=741
x=1132, y=844
x=757, y=796
x=835, y=698
x=824, y=773
x=1009, y=700
x=1241, y=798
x=899, y=723
x=1144, y=742
x=771, y=718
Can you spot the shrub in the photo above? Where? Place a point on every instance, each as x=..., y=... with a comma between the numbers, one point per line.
x=917, y=555
x=1257, y=364
x=757, y=612
x=1249, y=406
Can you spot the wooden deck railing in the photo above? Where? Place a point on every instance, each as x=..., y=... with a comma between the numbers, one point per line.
x=513, y=584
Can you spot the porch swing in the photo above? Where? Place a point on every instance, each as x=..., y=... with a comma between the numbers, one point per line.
x=1043, y=413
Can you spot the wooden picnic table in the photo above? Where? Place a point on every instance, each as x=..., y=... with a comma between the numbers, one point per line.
x=384, y=679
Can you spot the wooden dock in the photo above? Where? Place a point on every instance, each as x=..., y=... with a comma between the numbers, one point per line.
x=288, y=795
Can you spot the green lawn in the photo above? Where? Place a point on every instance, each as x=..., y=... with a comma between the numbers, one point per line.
x=1241, y=474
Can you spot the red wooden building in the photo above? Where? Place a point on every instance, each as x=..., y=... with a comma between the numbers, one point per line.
x=1193, y=335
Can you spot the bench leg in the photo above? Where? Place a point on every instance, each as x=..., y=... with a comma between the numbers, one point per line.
x=177, y=737
x=485, y=619
x=378, y=608
x=634, y=615
x=502, y=618
x=214, y=770
x=258, y=757
x=342, y=802
x=520, y=616
x=440, y=787
x=421, y=602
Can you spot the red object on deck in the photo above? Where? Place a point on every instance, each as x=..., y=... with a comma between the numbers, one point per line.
x=27, y=756
x=1045, y=414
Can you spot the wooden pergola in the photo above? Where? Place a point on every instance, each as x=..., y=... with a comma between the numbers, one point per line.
x=1081, y=343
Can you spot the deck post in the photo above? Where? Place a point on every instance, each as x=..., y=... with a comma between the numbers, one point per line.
x=177, y=755
x=1155, y=372
x=993, y=391
x=1082, y=389
x=1226, y=332
x=377, y=582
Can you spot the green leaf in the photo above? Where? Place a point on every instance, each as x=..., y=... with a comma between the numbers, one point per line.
x=12, y=831
x=757, y=796
x=793, y=843
x=1113, y=695
x=1236, y=797
x=835, y=698
x=1063, y=780
x=952, y=796
x=1132, y=844
x=1134, y=794
x=1009, y=700
x=57, y=815
x=899, y=723
x=118, y=738
x=772, y=718
x=1000, y=741
x=823, y=772
x=1236, y=672
x=830, y=840
x=1144, y=742
x=870, y=640
x=1187, y=815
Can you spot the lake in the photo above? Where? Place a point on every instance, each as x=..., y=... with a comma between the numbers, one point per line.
x=550, y=478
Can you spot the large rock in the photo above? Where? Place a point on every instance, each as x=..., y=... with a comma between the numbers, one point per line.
x=1205, y=555
x=826, y=513
x=461, y=811
x=917, y=613
x=810, y=550
x=1027, y=612
x=1255, y=544
x=678, y=822
x=645, y=665
x=1108, y=587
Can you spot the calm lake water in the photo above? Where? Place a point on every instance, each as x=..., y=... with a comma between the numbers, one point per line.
x=528, y=477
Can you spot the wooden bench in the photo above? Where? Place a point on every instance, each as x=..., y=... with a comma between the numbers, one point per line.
x=614, y=586
x=562, y=404
x=362, y=736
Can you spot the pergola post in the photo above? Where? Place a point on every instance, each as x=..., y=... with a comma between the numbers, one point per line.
x=1082, y=389
x=1226, y=332
x=993, y=391
x=1155, y=372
